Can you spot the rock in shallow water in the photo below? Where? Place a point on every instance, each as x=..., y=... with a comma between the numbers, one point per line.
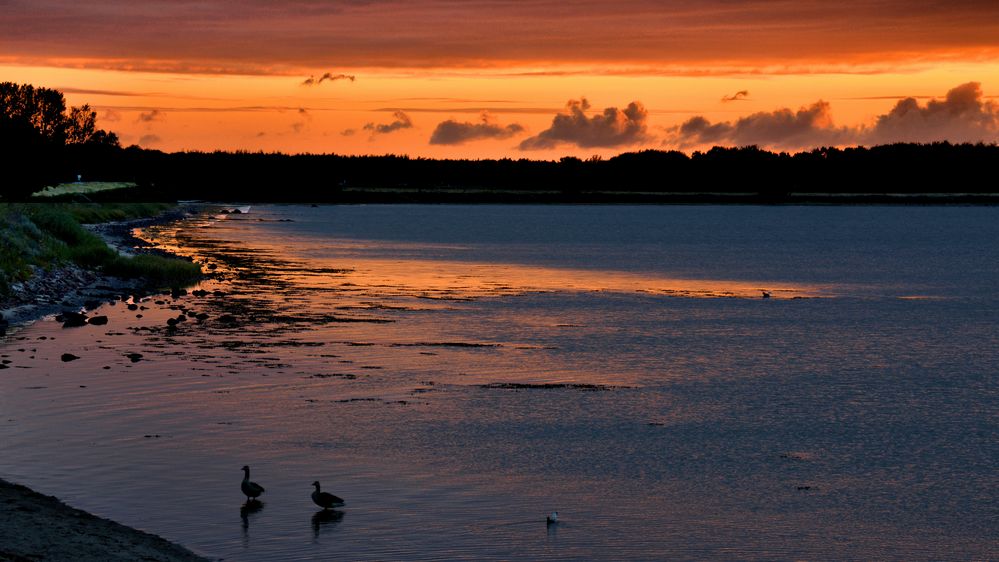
x=73, y=319
x=67, y=357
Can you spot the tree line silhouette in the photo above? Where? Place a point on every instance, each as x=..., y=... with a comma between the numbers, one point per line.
x=44, y=144
x=40, y=137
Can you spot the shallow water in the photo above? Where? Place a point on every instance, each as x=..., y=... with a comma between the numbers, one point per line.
x=456, y=372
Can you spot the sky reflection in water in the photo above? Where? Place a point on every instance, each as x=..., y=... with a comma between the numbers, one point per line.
x=455, y=381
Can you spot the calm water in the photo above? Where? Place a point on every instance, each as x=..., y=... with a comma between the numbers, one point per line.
x=456, y=372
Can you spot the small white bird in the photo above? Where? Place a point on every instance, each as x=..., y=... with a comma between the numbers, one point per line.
x=325, y=500
x=552, y=518
x=250, y=489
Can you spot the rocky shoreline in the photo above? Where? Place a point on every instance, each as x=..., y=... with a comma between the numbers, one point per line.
x=38, y=527
x=71, y=287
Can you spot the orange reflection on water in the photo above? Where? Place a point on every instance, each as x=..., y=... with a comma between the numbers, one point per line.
x=343, y=267
x=469, y=280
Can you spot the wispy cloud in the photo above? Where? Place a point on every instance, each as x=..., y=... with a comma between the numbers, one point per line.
x=150, y=116
x=741, y=95
x=611, y=128
x=402, y=121
x=70, y=90
x=313, y=81
x=476, y=109
x=454, y=132
x=147, y=140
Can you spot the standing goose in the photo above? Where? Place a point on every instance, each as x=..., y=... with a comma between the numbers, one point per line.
x=250, y=489
x=325, y=500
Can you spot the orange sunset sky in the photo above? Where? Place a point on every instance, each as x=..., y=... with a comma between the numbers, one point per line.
x=514, y=78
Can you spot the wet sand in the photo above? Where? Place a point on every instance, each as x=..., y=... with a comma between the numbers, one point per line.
x=38, y=527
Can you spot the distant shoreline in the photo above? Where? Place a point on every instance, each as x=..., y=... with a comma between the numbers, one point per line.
x=513, y=197
x=364, y=195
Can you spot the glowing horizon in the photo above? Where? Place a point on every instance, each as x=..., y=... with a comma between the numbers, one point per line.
x=787, y=75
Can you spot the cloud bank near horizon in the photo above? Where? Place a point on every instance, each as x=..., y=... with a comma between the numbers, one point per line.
x=453, y=132
x=612, y=128
x=963, y=115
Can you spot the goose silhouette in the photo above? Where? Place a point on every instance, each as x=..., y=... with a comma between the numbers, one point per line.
x=250, y=489
x=325, y=500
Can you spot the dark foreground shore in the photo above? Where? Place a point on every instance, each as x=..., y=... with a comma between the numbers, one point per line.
x=34, y=526
x=38, y=527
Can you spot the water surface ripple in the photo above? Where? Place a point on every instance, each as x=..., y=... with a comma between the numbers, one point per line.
x=456, y=372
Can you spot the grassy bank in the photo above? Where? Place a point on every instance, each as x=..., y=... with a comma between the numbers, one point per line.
x=50, y=234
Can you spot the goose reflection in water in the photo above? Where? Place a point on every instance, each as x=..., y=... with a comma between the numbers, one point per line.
x=323, y=518
x=245, y=511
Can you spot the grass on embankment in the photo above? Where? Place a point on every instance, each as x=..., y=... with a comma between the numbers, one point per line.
x=48, y=235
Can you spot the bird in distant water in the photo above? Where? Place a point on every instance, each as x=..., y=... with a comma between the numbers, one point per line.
x=250, y=489
x=552, y=518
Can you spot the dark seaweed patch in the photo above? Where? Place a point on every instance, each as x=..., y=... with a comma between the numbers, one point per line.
x=550, y=386
x=446, y=344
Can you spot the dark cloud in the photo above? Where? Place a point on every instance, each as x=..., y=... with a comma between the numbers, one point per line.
x=613, y=127
x=402, y=121
x=962, y=116
x=150, y=116
x=783, y=128
x=313, y=81
x=146, y=140
x=265, y=36
x=348, y=132
x=455, y=132
x=158, y=111
x=111, y=115
x=741, y=95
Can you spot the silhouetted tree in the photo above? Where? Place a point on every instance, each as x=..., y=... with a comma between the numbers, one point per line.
x=37, y=137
